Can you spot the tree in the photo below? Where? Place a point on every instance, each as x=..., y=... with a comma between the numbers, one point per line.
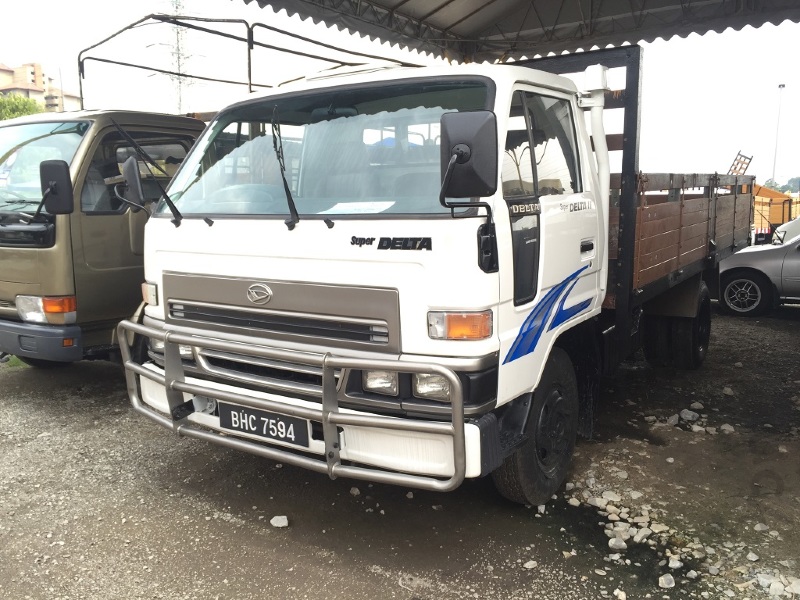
x=14, y=105
x=787, y=188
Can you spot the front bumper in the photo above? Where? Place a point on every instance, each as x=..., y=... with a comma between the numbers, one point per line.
x=45, y=342
x=425, y=454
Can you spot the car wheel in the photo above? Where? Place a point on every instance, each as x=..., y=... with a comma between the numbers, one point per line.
x=746, y=294
x=536, y=470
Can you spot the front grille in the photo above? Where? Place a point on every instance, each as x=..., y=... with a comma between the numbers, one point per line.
x=341, y=329
x=277, y=375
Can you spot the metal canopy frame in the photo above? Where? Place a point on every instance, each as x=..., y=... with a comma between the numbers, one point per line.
x=496, y=30
x=247, y=38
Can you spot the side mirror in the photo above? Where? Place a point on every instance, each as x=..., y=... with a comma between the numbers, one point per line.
x=56, y=187
x=133, y=194
x=472, y=136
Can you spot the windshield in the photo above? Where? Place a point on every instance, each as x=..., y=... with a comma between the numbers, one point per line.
x=23, y=147
x=347, y=151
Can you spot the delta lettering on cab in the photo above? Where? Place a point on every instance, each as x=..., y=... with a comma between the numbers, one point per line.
x=394, y=243
x=405, y=243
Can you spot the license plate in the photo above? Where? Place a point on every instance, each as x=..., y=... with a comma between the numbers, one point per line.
x=263, y=424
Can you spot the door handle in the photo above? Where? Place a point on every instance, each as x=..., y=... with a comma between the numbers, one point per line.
x=587, y=247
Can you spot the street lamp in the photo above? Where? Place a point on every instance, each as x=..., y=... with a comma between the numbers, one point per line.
x=777, y=131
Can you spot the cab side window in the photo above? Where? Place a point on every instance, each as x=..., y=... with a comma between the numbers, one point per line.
x=540, y=155
x=104, y=172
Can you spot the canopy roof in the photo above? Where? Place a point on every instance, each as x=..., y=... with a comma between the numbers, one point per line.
x=479, y=30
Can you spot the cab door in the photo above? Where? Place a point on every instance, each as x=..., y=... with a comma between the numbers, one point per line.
x=108, y=234
x=554, y=233
x=790, y=272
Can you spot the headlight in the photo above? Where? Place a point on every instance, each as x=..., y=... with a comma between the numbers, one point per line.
x=55, y=310
x=380, y=382
x=460, y=325
x=431, y=387
x=157, y=345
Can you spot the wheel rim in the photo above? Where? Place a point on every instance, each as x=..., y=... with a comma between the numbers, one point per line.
x=742, y=295
x=552, y=440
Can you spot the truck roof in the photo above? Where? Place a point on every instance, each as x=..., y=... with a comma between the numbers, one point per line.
x=378, y=72
x=127, y=117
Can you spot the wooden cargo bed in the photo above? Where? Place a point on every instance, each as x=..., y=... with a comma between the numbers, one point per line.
x=683, y=224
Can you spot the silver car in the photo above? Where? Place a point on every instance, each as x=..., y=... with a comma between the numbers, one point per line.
x=756, y=279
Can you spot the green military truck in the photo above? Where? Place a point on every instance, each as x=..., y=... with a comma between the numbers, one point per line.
x=66, y=280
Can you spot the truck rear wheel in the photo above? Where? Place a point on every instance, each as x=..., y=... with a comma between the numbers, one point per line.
x=656, y=344
x=681, y=342
x=690, y=336
x=536, y=470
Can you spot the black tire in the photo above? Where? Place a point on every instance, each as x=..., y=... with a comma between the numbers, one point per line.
x=538, y=468
x=139, y=349
x=41, y=363
x=746, y=294
x=656, y=344
x=689, y=338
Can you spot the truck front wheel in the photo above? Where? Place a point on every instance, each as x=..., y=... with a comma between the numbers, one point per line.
x=536, y=470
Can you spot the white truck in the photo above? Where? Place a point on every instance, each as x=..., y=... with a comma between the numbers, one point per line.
x=412, y=276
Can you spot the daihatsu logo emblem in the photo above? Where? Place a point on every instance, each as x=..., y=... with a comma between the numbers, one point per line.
x=259, y=293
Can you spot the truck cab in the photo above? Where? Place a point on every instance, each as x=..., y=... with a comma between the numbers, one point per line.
x=371, y=272
x=68, y=279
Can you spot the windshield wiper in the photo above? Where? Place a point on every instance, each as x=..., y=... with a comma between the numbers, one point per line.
x=19, y=201
x=176, y=215
x=277, y=144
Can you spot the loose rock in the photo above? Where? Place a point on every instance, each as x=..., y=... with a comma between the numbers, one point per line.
x=689, y=415
x=666, y=581
x=617, y=544
x=279, y=521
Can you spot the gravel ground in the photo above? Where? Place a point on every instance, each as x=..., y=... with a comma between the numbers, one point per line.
x=97, y=502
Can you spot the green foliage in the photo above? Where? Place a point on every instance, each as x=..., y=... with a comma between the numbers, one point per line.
x=14, y=105
x=787, y=188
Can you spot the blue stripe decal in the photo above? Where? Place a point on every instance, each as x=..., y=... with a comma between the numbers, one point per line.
x=534, y=325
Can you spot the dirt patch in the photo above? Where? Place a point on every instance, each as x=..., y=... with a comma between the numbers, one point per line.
x=711, y=455
x=98, y=502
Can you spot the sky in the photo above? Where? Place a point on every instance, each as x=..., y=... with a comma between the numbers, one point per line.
x=704, y=98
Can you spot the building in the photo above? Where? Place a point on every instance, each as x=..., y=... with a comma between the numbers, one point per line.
x=30, y=81
x=770, y=209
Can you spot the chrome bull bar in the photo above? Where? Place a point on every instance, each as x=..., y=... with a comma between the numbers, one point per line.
x=175, y=384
